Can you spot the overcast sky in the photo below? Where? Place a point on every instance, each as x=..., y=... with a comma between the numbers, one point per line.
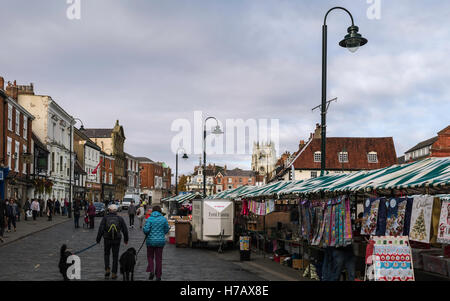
x=150, y=62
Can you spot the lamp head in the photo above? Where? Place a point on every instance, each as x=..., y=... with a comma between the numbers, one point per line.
x=353, y=40
x=217, y=130
x=185, y=156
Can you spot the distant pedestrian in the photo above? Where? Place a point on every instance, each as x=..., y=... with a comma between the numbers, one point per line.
x=57, y=207
x=76, y=213
x=50, y=208
x=35, y=207
x=26, y=208
x=2, y=219
x=11, y=213
x=132, y=213
x=156, y=229
x=91, y=213
x=69, y=209
x=110, y=228
x=41, y=207
x=19, y=210
x=63, y=207
x=140, y=214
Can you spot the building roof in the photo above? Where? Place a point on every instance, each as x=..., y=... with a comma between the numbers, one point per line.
x=423, y=144
x=357, y=149
x=237, y=172
x=98, y=133
x=144, y=160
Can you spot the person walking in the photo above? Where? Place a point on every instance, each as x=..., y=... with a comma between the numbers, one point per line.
x=156, y=229
x=19, y=210
x=35, y=207
x=57, y=207
x=132, y=213
x=2, y=219
x=41, y=207
x=76, y=213
x=50, y=208
x=110, y=228
x=26, y=208
x=140, y=214
x=11, y=213
x=91, y=214
x=63, y=207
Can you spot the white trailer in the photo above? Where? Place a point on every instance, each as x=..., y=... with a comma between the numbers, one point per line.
x=212, y=221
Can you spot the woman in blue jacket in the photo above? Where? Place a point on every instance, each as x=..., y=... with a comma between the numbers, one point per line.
x=156, y=229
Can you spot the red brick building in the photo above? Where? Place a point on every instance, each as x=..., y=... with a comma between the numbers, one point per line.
x=438, y=146
x=343, y=155
x=230, y=179
x=155, y=179
x=16, y=143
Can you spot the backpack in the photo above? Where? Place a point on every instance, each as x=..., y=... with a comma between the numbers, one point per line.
x=112, y=228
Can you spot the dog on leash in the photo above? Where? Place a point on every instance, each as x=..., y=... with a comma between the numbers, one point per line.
x=127, y=263
x=63, y=265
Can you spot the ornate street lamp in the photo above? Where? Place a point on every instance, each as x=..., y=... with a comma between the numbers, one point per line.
x=352, y=41
x=185, y=157
x=216, y=131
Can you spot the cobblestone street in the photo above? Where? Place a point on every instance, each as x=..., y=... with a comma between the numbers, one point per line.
x=36, y=257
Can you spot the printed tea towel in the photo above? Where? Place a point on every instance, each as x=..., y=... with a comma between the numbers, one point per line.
x=421, y=218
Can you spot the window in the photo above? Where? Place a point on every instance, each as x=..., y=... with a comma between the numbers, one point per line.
x=60, y=163
x=9, y=147
x=110, y=178
x=17, y=122
x=219, y=180
x=317, y=156
x=249, y=180
x=240, y=180
x=372, y=157
x=343, y=157
x=24, y=164
x=16, y=155
x=25, y=127
x=53, y=162
x=9, y=117
x=230, y=187
x=230, y=180
x=313, y=174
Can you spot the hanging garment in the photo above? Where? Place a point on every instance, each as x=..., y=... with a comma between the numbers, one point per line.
x=348, y=223
x=382, y=213
x=408, y=212
x=333, y=226
x=341, y=224
x=370, y=217
x=327, y=224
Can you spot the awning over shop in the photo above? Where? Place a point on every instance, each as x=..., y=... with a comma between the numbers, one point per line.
x=430, y=172
x=181, y=197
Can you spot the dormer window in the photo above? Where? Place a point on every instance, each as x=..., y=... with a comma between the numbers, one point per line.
x=372, y=157
x=317, y=156
x=343, y=157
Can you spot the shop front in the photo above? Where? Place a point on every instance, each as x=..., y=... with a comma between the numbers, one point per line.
x=93, y=192
x=109, y=192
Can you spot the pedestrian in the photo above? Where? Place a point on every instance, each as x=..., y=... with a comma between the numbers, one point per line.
x=343, y=257
x=2, y=219
x=140, y=214
x=26, y=208
x=35, y=207
x=76, y=213
x=63, y=207
x=11, y=213
x=91, y=213
x=110, y=228
x=57, y=207
x=50, y=208
x=132, y=213
x=156, y=229
x=41, y=207
x=69, y=209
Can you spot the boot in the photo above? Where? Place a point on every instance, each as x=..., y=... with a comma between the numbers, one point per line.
x=151, y=276
x=114, y=276
x=107, y=273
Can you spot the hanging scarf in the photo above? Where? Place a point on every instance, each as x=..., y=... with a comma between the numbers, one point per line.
x=327, y=225
x=348, y=223
x=333, y=226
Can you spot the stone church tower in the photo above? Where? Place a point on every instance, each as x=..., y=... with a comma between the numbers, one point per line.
x=264, y=158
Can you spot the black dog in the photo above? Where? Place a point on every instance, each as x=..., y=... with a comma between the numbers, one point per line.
x=127, y=263
x=63, y=265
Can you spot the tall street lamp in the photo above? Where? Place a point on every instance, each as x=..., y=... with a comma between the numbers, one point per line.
x=352, y=41
x=216, y=131
x=176, y=168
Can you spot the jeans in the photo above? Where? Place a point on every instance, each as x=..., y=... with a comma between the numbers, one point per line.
x=35, y=213
x=343, y=257
x=91, y=221
x=154, y=257
x=131, y=219
x=76, y=218
x=327, y=267
x=114, y=246
x=11, y=220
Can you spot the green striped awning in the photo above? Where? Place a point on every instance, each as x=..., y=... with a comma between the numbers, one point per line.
x=181, y=197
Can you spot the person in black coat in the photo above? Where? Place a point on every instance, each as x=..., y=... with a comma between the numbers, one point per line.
x=50, y=208
x=2, y=218
x=110, y=228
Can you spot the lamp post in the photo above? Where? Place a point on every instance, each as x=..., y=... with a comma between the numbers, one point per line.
x=352, y=41
x=216, y=131
x=176, y=168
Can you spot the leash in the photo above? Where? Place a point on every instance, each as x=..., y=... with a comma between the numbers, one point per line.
x=141, y=247
x=85, y=249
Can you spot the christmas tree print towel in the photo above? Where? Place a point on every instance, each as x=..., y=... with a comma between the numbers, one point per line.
x=421, y=218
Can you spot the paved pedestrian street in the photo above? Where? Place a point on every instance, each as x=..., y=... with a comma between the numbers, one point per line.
x=36, y=257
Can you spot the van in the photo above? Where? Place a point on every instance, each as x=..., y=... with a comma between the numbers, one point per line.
x=126, y=202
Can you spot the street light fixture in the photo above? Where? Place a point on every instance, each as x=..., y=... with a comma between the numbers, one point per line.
x=217, y=131
x=352, y=41
x=185, y=157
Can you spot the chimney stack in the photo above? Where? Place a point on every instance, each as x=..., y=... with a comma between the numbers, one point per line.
x=318, y=131
x=2, y=83
x=301, y=145
x=12, y=90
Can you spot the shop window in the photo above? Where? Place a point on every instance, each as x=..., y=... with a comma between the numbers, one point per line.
x=313, y=174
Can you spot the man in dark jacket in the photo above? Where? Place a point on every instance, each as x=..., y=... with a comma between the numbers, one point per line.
x=110, y=228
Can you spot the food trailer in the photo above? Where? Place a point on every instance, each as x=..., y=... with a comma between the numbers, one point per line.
x=212, y=222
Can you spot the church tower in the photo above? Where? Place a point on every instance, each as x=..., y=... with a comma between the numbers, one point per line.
x=263, y=158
